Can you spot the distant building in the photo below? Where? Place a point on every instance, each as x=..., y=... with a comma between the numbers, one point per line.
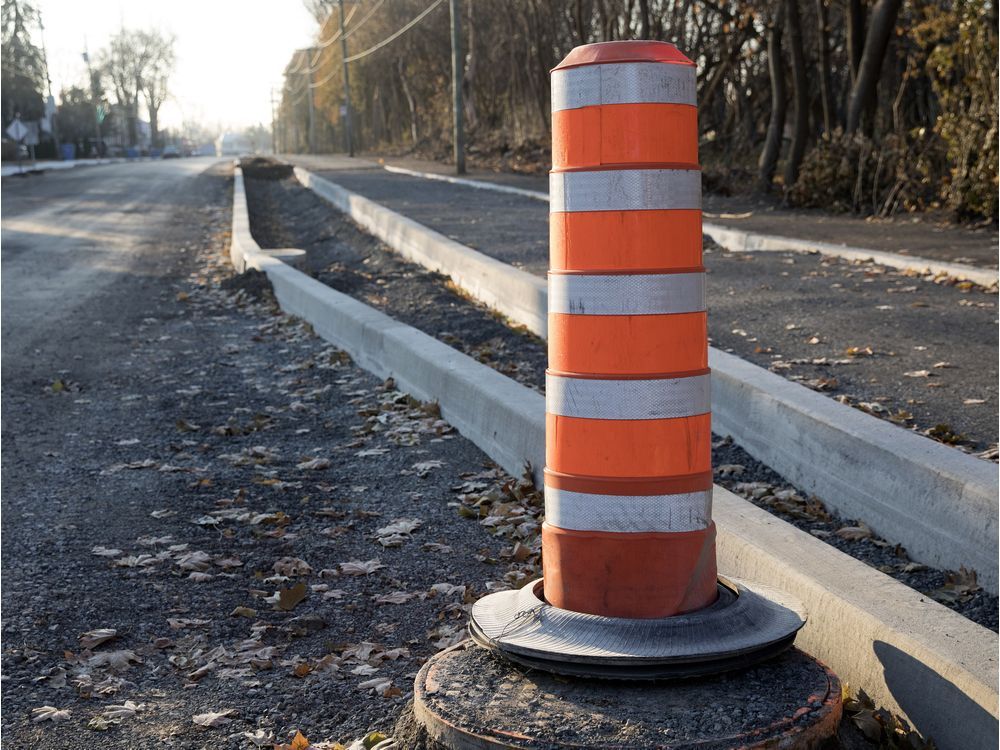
x=232, y=144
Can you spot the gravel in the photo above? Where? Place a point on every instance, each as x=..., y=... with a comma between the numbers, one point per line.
x=284, y=214
x=193, y=453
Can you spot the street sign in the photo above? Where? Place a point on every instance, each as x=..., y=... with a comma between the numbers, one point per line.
x=17, y=130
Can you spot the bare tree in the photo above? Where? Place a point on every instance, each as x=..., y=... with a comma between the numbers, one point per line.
x=155, y=78
x=138, y=63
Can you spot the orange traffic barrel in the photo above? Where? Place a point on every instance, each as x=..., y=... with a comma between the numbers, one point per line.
x=629, y=587
x=628, y=478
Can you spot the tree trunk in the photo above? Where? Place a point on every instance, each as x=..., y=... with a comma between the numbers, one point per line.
x=644, y=18
x=800, y=132
x=411, y=103
x=154, y=135
x=776, y=123
x=855, y=35
x=825, y=82
x=883, y=21
x=469, y=79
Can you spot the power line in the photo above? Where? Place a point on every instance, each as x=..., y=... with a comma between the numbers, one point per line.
x=399, y=33
x=361, y=23
x=336, y=35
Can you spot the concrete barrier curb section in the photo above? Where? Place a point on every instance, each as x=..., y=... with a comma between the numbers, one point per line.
x=487, y=279
x=936, y=501
x=737, y=240
x=911, y=654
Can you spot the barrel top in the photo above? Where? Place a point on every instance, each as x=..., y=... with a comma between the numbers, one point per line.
x=623, y=52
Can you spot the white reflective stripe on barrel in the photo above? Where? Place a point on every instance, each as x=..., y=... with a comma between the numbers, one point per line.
x=623, y=83
x=626, y=294
x=625, y=190
x=661, y=398
x=581, y=511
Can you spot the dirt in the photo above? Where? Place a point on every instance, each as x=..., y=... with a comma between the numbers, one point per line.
x=284, y=214
x=192, y=453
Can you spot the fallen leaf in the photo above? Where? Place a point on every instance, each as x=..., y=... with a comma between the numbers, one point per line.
x=396, y=597
x=105, y=551
x=125, y=711
x=359, y=568
x=177, y=623
x=213, y=718
x=260, y=738
x=49, y=713
x=853, y=533
x=119, y=660
x=974, y=401
x=243, y=612
x=424, y=467
x=291, y=566
x=917, y=374
x=380, y=684
x=288, y=599
x=94, y=638
x=314, y=464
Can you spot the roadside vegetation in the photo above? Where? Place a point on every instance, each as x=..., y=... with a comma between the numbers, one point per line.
x=873, y=107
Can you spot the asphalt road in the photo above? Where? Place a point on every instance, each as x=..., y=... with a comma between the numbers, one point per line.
x=68, y=235
x=922, y=353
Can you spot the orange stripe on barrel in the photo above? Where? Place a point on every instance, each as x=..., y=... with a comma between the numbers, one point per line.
x=598, y=240
x=623, y=134
x=629, y=575
x=628, y=447
x=628, y=344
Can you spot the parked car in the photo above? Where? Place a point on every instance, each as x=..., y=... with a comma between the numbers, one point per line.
x=171, y=152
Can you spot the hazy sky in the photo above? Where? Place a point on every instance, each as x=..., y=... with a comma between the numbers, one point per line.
x=229, y=52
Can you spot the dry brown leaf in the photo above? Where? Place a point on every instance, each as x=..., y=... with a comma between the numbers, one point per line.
x=291, y=566
x=359, y=568
x=288, y=599
x=49, y=713
x=853, y=533
x=94, y=638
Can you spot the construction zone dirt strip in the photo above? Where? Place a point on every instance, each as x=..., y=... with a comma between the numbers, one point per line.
x=877, y=339
x=283, y=214
x=219, y=532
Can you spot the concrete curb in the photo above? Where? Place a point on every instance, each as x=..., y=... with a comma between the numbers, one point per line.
x=935, y=500
x=519, y=296
x=912, y=655
x=737, y=240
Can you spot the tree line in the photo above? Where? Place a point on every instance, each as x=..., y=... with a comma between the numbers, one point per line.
x=871, y=106
x=127, y=77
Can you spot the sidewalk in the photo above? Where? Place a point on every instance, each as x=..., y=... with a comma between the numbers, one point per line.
x=8, y=170
x=904, y=235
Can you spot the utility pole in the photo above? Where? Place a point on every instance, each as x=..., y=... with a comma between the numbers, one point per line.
x=456, y=84
x=312, y=106
x=347, y=85
x=274, y=129
x=93, y=96
x=50, y=104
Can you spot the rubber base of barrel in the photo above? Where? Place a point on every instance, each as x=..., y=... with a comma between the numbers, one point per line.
x=743, y=627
